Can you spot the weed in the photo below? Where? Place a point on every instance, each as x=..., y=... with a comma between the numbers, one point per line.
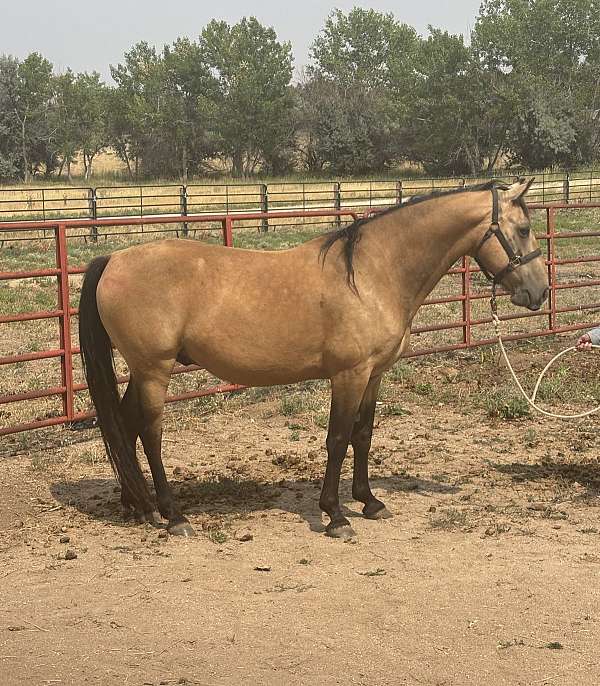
x=218, y=536
x=400, y=372
x=500, y=404
x=449, y=518
x=395, y=410
x=424, y=388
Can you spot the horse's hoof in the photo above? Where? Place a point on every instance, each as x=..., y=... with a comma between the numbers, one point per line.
x=345, y=532
x=181, y=529
x=376, y=510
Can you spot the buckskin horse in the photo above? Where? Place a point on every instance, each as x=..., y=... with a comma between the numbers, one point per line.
x=337, y=307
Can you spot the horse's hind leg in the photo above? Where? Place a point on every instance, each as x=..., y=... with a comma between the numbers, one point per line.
x=361, y=443
x=130, y=409
x=152, y=389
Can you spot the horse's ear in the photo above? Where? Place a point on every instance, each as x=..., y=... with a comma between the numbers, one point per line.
x=519, y=188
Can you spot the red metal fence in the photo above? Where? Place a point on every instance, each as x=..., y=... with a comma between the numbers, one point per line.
x=58, y=231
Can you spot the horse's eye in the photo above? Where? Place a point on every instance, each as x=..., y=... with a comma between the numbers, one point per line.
x=524, y=232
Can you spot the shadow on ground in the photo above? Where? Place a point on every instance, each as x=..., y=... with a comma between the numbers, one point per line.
x=587, y=474
x=100, y=498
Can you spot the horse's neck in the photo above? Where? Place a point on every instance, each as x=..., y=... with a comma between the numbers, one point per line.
x=422, y=242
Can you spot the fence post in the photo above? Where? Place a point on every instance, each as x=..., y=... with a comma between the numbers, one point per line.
x=264, y=207
x=399, y=192
x=183, y=208
x=66, y=360
x=93, y=209
x=466, y=304
x=550, y=231
x=566, y=188
x=227, y=225
x=337, y=201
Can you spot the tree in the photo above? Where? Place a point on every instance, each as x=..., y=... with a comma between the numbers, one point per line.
x=362, y=77
x=253, y=102
x=456, y=120
x=191, y=90
x=343, y=130
x=553, y=82
x=10, y=157
x=29, y=99
x=366, y=48
x=134, y=124
x=93, y=101
x=65, y=121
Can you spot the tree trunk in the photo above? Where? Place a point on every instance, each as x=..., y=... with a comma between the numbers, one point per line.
x=238, y=163
x=90, y=161
x=26, y=170
x=184, y=165
x=69, y=175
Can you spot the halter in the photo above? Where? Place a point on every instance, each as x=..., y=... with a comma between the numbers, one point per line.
x=514, y=259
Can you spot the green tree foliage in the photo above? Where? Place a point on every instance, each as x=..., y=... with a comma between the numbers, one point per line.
x=10, y=159
x=352, y=111
x=455, y=122
x=29, y=100
x=253, y=104
x=547, y=55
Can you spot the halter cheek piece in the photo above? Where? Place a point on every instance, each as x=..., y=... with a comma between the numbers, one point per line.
x=514, y=260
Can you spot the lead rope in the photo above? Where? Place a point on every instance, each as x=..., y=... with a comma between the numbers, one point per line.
x=531, y=401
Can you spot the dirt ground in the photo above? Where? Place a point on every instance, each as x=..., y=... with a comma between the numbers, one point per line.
x=487, y=573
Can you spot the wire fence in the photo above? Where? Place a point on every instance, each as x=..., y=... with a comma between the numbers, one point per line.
x=55, y=203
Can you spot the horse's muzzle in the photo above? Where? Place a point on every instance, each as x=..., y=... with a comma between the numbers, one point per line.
x=524, y=298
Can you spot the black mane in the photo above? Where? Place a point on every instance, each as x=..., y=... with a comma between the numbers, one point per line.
x=352, y=233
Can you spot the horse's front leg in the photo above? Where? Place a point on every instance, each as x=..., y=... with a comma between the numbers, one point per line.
x=347, y=390
x=361, y=443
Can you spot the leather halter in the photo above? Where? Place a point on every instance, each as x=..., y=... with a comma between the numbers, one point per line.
x=514, y=259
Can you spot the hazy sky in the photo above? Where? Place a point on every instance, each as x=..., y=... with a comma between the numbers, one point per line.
x=89, y=36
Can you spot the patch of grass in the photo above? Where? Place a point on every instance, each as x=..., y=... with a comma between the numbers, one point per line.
x=400, y=372
x=217, y=536
x=321, y=418
x=500, y=403
x=394, y=410
x=448, y=519
x=294, y=404
x=424, y=388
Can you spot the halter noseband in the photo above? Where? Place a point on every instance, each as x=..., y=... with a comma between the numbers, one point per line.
x=514, y=260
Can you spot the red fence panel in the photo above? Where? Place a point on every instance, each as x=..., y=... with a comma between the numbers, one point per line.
x=466, y=300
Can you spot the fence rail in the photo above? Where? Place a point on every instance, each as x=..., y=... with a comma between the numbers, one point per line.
x=55, y=203
x=467, y=299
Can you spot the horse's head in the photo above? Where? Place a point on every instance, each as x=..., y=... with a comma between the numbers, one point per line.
x=508, y=252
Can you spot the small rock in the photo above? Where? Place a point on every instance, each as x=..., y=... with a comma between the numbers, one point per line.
x=244, y=536
x=70, y=554
x=64, y=539
x=163, y=533
x=19, y=524
x=268, y=451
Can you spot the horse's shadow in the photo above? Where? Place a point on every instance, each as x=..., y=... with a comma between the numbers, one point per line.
x=100, y=499
x=587, y=474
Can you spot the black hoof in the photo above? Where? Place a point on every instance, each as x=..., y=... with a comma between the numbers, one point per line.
x=376, y=510
x=343, y=531
x=181, y=528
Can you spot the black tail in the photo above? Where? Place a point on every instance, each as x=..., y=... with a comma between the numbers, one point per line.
x=98, y=365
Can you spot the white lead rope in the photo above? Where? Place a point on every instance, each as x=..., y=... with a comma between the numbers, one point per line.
x=531, y=400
